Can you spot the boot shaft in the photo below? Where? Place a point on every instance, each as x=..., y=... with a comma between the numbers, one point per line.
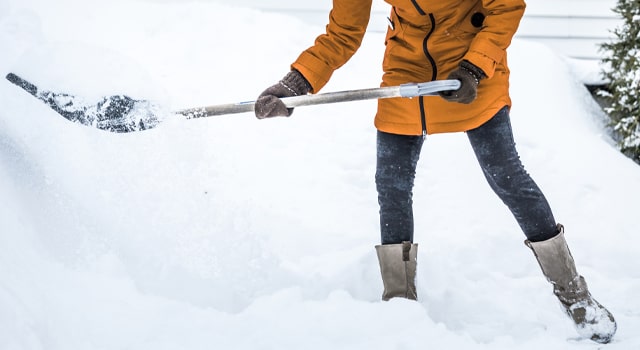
x=398, y=265
x=555, y=260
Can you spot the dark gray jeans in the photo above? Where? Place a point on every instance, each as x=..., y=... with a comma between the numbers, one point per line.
x=493, y=144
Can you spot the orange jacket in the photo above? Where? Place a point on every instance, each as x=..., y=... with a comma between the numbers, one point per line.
x=426, y=41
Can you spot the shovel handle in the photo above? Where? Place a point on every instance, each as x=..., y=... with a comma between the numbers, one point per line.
x=404, y=90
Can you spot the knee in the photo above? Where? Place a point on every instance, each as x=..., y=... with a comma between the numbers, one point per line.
x=508, y=179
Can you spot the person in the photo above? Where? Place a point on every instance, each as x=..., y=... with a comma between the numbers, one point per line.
x=430, y=40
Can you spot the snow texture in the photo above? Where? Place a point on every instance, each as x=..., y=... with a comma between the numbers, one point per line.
x=237, y=233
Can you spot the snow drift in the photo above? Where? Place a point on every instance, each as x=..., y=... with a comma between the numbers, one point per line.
x=230, y=232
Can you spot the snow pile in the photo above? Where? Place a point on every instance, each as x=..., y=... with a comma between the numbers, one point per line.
x=230, y=232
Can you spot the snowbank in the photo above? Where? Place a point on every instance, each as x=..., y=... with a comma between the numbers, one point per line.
x=230, y=232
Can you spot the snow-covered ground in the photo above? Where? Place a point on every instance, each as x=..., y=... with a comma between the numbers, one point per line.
x=234, y=233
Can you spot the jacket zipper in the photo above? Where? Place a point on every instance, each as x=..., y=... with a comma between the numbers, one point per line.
x=434, y=68
x=423, y=119
x=420, y=10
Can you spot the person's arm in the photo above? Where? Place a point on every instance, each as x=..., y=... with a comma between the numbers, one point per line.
x=487, y=49
x=490, y=44
x=348, y=22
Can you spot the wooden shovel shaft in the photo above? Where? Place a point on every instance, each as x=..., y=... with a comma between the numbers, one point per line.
x=404, y=90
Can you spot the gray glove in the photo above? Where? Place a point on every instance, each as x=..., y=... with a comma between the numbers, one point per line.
x=269, y=104
x=469, y=76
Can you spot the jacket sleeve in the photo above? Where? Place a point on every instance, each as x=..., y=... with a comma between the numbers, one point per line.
x=489, y=46
x=348, y=22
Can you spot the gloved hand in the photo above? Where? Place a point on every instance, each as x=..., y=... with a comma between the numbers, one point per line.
x=269, y=104
x=469, y=77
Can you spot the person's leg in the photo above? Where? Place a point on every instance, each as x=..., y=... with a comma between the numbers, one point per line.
x=495, y=149
x=397, y=157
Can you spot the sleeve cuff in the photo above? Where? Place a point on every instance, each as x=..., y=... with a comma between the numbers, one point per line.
x=313, y=69
x=485, y=56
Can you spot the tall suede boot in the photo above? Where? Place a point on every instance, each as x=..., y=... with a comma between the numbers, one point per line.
x=591, y=319
x=398, y=268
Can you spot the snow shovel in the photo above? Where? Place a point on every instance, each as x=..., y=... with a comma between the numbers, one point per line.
x=120, y=113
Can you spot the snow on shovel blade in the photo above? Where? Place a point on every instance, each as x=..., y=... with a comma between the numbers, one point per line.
x=121, y=113
x=118, y=113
